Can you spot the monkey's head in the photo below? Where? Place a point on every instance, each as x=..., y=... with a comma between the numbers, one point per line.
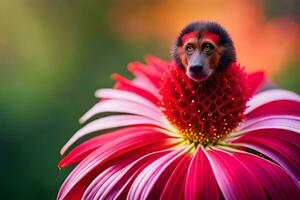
x=203, y=48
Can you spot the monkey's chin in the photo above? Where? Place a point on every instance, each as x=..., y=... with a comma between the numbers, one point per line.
x=198, y=77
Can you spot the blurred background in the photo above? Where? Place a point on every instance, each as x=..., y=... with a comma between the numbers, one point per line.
x=55, y=53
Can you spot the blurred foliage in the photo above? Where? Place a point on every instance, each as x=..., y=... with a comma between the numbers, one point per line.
x=53, y=55
x=288, y=78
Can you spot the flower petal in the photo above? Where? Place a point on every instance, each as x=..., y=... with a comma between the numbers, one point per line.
x=277, y=183
x=84, y=149
x=156, y=63
x=127, y=95
x=286, y=122
x=255, y=81
x=114, y=121
x=140, y=69
x=103, y=178
x=131, y=147
x=274, y=102
x=127, y=85
x=269, y=132
x=280, y=148
x=174, y=188
x=122, y=106
x=235, y=180
x=150, y=181
x=201, y=182
x=115, y=186
x=143, y=78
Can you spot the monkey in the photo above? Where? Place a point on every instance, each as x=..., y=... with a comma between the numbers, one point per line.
x=202, y=48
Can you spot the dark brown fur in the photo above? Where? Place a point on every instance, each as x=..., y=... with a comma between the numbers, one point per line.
x=224, y=52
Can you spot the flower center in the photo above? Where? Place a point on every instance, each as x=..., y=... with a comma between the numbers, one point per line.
x=204, y=112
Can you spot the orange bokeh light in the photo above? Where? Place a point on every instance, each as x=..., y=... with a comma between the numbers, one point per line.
x=260, y=43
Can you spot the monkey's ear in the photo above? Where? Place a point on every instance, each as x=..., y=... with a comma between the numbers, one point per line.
x=173, y=51
x=175, y=55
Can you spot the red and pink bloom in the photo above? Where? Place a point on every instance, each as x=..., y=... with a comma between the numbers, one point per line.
x=172, y=138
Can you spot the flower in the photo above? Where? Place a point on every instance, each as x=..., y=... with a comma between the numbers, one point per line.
x=173, y=138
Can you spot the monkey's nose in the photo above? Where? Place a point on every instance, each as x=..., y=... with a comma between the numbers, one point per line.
x=196, y=69
x=197, y=73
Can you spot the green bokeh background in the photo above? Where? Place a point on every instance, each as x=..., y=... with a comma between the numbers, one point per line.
x=53, y=55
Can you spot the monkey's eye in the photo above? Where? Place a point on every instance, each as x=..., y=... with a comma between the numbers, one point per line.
x=207, y=47
x=190, y=49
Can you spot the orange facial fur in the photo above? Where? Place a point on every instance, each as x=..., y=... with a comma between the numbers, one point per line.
x=215, y=57
x=182, y=55
x=213, y=60
x=181, y=50
x=203, y=48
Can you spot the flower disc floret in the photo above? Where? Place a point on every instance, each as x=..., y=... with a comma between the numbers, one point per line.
x=207, y=111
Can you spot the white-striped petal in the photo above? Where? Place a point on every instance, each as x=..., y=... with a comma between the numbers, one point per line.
x=269, y=96
x=143, y=184
x=143, y=82
x=122, y=106
x=252, y=123
x=125, y=95
x=114, y=121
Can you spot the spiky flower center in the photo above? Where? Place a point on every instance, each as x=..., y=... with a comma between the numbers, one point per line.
x=204, y=112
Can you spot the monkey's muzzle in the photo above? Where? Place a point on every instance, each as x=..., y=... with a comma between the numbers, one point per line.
x=196, y=68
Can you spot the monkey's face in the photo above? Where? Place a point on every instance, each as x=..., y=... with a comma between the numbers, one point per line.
x=200, y=54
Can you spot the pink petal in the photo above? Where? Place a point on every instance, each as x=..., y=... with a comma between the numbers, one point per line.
x=122, y=106
x=103, y=178
x=280, y=107
x=114, y=121
x=280, y=148
x=139, y=69
x=131, y=147
x=117, y=185
x=144, y=79
x=156, y=63
x=150, y=182
x=277, y=183
x=274, y=102
x=201, y=182
x=146, y=85
x=279, y=134
x=84, y=149
x=127, y=85
x=255, y=81
x=174, y=188
x=235, y=179
x=286, y=122
x=128, y=96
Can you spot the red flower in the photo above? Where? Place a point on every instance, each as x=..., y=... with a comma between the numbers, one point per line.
x=174, y=138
